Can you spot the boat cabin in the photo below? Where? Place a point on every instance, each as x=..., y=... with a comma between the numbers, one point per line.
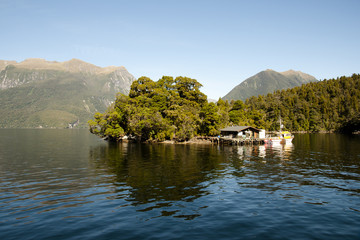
x=245, y=132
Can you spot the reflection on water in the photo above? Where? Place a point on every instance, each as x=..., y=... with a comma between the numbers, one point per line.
x=282, y=151
x=43, y=172
x=71, y=185
x=159, y=176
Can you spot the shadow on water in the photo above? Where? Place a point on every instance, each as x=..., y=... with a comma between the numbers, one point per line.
x=159, y=175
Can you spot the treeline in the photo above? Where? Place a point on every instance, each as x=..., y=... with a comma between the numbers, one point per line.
x=176, y=109
x=328, y=106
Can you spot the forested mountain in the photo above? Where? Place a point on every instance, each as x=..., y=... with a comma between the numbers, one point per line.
x=328, y=105
x=267, y=82
x=40, y=93
x=177, y=109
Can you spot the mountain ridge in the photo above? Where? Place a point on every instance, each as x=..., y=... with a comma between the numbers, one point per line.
x=72, y=65
x=40, y=93
x=268, y=81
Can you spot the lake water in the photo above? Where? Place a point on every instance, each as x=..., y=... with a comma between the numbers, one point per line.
x=69, y=184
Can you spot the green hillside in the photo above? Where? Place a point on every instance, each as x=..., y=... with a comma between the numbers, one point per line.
x=267, y=82
x=328, y=105
x=36, y=97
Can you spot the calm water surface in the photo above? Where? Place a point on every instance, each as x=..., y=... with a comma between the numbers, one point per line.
x=68, y=184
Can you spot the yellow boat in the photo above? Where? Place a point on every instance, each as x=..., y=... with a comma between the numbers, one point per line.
x=282, y=137
x=287, y=136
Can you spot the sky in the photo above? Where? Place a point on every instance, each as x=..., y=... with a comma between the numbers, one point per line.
x=219, y=43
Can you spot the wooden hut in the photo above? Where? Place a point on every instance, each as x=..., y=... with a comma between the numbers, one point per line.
x=245, y=132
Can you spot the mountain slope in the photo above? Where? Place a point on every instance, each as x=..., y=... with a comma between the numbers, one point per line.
x=39, y=93
x=267, y=82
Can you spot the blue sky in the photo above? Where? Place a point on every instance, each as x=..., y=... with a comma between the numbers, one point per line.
x=219, y=43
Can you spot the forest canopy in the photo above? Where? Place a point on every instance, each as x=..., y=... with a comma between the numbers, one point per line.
x=176, y=109
x=324, y=106
x=167, y=109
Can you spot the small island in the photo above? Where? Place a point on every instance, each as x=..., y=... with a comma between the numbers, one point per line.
x=176, y=110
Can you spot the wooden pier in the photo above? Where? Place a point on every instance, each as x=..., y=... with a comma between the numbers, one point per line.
x=232, y=141
x=240, y=141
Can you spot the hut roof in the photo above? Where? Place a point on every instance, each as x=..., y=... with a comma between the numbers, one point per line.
x=238, y=129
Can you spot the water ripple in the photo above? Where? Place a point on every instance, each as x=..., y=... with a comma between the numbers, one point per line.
x=140, y=191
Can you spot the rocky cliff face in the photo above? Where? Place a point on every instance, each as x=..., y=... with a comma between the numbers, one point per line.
x=4, y=63
x=38, y=93
x=120, y=80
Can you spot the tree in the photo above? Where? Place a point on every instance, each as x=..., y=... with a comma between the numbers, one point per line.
x=210, y=120
x=155, y=111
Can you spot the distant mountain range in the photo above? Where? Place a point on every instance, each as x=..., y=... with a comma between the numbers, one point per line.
x=267, y=82
x=36, y=93
x=40, y=93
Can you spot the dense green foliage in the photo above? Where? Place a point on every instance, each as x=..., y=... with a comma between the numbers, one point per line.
x=322, y=106
x=167, y=109
x=176, y=109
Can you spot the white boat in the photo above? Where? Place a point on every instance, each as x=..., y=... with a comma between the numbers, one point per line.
x=282, y=137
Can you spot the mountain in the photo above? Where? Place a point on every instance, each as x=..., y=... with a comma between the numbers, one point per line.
x=267, y=82
x=49, y=94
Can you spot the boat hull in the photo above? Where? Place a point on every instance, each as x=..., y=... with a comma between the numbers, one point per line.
x=283, y=138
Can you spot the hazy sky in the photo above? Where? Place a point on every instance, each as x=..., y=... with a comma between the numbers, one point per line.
x=219, y=43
